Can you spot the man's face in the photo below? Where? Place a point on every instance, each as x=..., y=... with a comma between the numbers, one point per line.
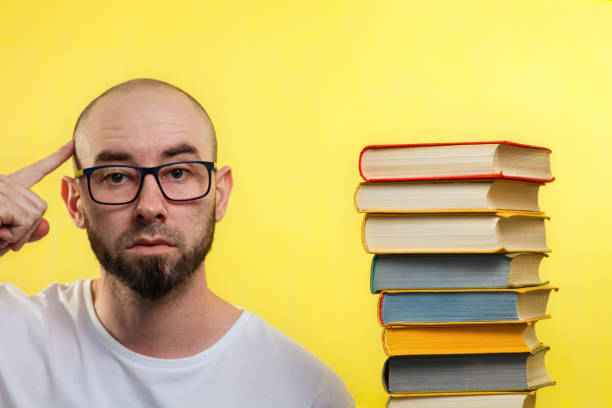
x=150, y=245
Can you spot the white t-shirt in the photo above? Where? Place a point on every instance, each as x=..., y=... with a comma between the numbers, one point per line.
x=54, y=352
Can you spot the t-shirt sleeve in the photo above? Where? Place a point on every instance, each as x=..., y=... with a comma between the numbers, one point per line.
x=334, y=393
x=295, y=375
x=17, y=310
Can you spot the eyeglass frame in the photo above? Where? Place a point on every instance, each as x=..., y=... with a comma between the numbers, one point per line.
x=210, y=166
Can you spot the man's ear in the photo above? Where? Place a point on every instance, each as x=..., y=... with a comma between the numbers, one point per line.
x=224, y=183
x=72, y=199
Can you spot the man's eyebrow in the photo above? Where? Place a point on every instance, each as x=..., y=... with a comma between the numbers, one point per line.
x=118, y=156
x=180, y=149
x=112, y=156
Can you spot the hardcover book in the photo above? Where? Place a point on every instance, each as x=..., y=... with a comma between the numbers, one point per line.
x=453, y=233
x=448, y=161
x=467, y=305
x=482, y=196
x=452, y=271
x=514, y=400
x=479, y=338
x=466, y=373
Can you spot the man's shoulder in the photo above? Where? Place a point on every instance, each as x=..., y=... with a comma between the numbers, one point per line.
x=15, y=304
x=279, y=358
x=272, y=344
x=31, y=324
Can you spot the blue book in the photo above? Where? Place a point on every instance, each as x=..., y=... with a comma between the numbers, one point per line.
x=452, y=271
x=468, y=305
x=466, y=373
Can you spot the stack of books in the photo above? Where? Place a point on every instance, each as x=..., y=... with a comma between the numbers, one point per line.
x=457, y=236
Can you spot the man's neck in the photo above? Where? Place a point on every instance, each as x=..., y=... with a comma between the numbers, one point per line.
x=187, y=321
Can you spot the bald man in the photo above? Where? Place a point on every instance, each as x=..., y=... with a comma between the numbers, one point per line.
x=149, y=332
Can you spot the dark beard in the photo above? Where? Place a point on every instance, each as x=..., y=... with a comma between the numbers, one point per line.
x=151, y=277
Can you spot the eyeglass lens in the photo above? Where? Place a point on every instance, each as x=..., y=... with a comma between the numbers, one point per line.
x=181, y=181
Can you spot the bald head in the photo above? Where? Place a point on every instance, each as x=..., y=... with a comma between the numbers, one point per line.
x=162, y=105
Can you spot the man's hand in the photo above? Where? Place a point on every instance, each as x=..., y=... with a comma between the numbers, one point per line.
x=21, y=211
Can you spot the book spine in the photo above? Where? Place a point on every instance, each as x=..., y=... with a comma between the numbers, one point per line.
x=372, y=272
x=499, y=175
x=504, y=142
x=380, y=307
x=384, y=342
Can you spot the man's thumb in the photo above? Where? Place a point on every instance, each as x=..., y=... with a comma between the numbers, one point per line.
x=41, y=231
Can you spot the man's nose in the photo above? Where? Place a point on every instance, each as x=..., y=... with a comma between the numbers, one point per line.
x=151, y=205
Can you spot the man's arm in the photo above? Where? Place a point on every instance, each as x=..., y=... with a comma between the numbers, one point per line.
x=21, y=211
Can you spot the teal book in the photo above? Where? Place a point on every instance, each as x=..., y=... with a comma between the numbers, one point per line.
x=452, y=271
x=459, y=306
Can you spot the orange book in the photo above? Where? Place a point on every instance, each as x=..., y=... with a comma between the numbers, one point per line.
x=460, y=339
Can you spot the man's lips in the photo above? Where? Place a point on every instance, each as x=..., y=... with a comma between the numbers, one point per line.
x=145, y=246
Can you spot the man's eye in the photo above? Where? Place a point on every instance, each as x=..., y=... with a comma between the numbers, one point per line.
x=116, y=178
x=177, y=174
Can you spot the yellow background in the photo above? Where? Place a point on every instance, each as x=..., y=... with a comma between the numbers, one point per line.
x=296, y=89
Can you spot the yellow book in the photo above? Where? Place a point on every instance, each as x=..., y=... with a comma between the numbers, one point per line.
x=460, y=339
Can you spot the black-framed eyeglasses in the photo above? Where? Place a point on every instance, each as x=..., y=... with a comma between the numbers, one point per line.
x=121, y=184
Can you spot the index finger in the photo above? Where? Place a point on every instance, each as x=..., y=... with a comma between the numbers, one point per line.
x=32, y=174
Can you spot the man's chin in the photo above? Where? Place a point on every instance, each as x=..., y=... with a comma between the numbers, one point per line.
x=150, y=276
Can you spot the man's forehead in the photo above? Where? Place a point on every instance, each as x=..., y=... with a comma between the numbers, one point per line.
x=146, y=123
x=143, y=151
x=144, y=106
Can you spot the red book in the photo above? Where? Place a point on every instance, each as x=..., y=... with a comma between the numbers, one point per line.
x=455, y=161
